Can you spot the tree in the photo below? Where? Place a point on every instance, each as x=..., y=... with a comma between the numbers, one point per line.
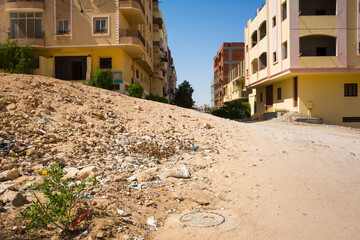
x=183, y=96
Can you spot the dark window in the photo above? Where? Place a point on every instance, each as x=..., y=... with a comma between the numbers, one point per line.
x=36, y=63
x=321, y=51
x=105, y=63
x=285, y=50
x=279, y=94
x=295, y=92
x=100, y=25
x=115, y=87
x=274, y=21
x=63, y=27
x=351, y=119
x=261, y=97
x=274, y=57
x=284, y=11
x=137, y=73
x=351, y=90
x=26, y=25
x=320, y=12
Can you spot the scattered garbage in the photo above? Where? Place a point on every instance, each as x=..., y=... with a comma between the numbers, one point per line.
x=152, y=222
x=80, y=219
x=182, y=173
x=5, y=147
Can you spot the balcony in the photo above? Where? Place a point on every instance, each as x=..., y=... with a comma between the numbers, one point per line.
x=32, y=40
x=20, y=5
x=133, y=11
x=318, y=25
x=318, y=62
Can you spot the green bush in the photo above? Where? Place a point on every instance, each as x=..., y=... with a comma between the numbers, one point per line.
x=221, y=112
x=234, y=110
x=136, y=90
x=15, y=58
x=157, y=98
x=61, y=197
x=103, y=79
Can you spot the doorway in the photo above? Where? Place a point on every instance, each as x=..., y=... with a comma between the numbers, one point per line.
x=70, y=68
x=269, y=97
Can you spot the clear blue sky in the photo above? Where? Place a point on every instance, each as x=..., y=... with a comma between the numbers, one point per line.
x=196, y=29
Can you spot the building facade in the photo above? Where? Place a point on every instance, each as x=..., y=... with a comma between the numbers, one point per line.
x=235, y=90
x=71, y=39
x=303, y=56
x=229, y=55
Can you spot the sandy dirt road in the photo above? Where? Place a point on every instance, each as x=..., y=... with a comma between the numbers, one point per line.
x=281, y=181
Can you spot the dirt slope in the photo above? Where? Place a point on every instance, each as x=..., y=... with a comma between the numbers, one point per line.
x=268, y=180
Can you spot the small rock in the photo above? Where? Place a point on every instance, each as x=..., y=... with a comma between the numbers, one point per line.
x=30, y=152
x=9, y=175
x=70, y=172
x=87, y=172
x=11, y=106
x=183, y=172
x=16, y=198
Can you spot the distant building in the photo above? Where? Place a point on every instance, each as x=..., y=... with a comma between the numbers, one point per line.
x=204, y=108
x=304, y=56
x=235, y=90
x=229, y=56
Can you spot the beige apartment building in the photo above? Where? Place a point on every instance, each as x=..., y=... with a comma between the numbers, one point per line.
x=71, y=39
x=303, y=56
x=235, y=90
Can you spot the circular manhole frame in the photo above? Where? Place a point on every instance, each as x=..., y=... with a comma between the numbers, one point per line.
x=202, y=219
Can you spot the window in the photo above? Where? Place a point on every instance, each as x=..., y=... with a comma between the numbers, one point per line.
x=247, y=48
x=284, y=10
x=274, y=57
x=26, y=25
x=351, y=90
x=261, y=97
x=36, y=63
x=137, y=74
x=63, y=27
x=285, y=50
x=101, y=25
x=279, y=94
x=321, y=51
x=115, y=87
x=351, y=119
x=274, y=21
x=105, y=63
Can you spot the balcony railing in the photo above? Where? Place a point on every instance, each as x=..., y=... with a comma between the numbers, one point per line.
x=138, y=1
x=63, y=32
x=132, y=33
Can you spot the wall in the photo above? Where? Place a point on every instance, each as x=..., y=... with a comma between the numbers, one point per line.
x=326, y=92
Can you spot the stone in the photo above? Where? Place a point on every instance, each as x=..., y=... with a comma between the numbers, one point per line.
x=183, y=172
x=70, y=172
x=87, y=172
x=30, y=152
x=9, y=175
x=15, y=198
x=11, y=106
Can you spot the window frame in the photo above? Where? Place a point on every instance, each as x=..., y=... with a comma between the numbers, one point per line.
x=102, y=58
x=94, y=19
x=279, y=93
x=348, y=92
x=284, y=13
x=58, y=27
x=26, y=19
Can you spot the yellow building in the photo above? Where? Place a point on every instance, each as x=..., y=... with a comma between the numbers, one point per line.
x=235, y=90
x=303, y=56
x=71, y=39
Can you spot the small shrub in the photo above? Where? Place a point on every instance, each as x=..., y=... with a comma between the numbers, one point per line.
x=157, y=98
x=136, y=90
x=58, y=209
x=102, y=79
x=15, y=58
x=234, y=110
x=221, y=112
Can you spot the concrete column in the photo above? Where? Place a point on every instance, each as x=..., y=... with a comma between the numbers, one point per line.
x=88, y=68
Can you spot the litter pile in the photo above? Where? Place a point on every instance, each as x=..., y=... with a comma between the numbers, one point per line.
x=137, y=149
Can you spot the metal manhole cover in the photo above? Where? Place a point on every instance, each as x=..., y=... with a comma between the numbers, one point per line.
x=202, y=219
